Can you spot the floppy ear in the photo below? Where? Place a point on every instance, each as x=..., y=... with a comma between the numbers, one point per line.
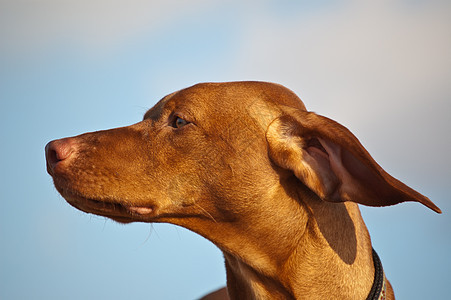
x=330, y=160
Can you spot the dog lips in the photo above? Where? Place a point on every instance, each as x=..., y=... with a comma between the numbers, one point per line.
x=140, y=210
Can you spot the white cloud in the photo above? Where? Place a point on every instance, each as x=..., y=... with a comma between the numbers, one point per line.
x=381, y=68
x=39, y=24
x=363, y=47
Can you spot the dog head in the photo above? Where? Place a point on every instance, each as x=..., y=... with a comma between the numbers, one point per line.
x=218, y=153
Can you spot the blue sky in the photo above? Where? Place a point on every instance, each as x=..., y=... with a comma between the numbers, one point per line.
x=67, y=67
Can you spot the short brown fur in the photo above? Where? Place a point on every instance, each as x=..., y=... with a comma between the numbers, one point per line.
x=245, y=165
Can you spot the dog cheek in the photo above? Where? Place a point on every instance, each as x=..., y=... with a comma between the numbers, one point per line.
x=183, y=189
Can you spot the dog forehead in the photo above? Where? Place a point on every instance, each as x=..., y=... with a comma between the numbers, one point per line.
x=256, y=99
x=239, y=94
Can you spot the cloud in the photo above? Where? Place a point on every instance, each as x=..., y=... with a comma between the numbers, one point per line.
x=39, y=24
x=381, y=67
x=363, y=46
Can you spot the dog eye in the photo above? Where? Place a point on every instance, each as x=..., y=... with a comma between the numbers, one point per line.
x=179, y=122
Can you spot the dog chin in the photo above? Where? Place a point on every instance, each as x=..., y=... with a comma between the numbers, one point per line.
x=114, y=210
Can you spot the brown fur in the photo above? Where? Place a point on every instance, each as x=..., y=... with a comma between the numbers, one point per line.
x=273, y=186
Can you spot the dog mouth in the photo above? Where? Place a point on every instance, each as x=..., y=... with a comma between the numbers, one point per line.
x=119, y=212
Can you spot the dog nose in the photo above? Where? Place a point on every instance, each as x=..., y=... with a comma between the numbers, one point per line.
x=57, y=151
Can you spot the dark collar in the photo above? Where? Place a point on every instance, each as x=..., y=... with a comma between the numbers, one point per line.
x=379, y=288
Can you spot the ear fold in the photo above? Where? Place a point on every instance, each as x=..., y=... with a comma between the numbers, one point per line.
x=330, y=160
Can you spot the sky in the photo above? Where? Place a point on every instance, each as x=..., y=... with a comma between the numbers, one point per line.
x=381, y=68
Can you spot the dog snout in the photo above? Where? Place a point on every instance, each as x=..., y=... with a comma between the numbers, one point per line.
x=58, y=151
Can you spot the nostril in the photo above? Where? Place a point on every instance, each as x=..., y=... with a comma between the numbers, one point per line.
x=52, y=156
x=57, y=151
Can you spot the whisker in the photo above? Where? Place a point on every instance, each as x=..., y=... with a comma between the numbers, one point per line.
x=206, y=213
x=151, y=229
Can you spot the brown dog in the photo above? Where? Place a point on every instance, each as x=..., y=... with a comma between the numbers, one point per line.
x=245, y=165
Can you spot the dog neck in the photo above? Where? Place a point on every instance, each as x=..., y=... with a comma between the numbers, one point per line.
x=330, y=255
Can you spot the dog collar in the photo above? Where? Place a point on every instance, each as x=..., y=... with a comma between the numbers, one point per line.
x=379, y=288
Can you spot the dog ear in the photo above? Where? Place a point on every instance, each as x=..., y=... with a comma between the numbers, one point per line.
x=330, y=160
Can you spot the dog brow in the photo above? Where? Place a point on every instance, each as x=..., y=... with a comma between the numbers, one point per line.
x=155, y=112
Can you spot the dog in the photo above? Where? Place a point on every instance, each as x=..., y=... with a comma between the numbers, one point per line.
x=245, y=165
